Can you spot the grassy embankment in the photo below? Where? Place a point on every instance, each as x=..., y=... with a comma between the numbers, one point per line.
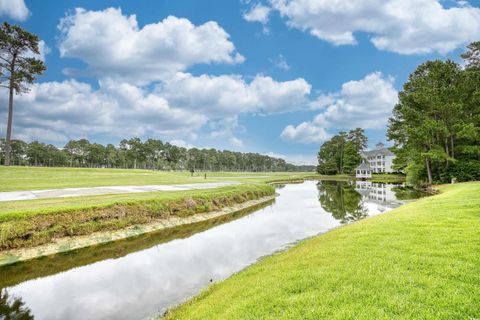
x=420, y=261
x=13, y=274
x=35, y=222
x=21, y=226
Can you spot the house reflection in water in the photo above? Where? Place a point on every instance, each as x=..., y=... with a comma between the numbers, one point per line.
x=349, y=201
x=377, y=196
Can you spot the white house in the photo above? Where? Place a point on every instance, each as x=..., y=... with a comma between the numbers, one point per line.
x=380, y=159
x=363, y=171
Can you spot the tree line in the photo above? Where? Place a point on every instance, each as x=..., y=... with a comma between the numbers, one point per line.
x=133, y=153
x=342, y=153
x=435, y=126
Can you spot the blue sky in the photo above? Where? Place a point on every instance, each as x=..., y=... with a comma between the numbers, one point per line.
x=276, y=77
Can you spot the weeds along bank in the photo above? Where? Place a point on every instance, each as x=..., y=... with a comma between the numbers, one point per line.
x=14, y=273
x=419, y=261
x=29, y=228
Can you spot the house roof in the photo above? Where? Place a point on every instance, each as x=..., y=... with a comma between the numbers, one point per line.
x=364, y=166
x=378, y=152
x=363, y=192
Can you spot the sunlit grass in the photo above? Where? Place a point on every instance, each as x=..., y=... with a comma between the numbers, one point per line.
x=30, y=227
x=35, y=178
x=420, y=261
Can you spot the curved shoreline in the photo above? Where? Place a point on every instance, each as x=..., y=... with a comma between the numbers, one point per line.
x=67, y=244
x=410, y=250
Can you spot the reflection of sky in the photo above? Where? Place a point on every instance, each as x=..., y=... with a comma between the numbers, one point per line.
x=375, y=208
x=143, y=283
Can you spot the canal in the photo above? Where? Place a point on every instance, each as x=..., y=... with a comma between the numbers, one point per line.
x=142, y=277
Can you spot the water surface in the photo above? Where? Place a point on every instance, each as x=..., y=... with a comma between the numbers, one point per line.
x=138, y=278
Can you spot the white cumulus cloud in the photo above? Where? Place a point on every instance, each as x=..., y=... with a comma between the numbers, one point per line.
x=258, y=13
x=43, y=50
x=365, y=103
x=305, y=133
x=226, y=95
x=176, y=108
x=14, y=9
x=236, y=142
x=58, y=111
x=402, y=26
x=114, y=45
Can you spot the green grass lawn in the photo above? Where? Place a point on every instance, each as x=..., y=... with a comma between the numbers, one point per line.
x=24, y=225
x=13, y=210
x=420, y=261
x=35, y=178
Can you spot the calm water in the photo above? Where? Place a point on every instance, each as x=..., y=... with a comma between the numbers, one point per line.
x=138, y=278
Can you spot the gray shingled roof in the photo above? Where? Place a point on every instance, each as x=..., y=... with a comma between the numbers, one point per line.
x=364, y=166
x=378, y=152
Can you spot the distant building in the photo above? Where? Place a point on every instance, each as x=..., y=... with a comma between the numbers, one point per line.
x=380, y=159
x=363, y=171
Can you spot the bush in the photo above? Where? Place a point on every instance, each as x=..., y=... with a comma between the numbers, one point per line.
x=463, y=170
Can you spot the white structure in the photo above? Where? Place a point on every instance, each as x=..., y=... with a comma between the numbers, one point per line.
x=380, y=159
x=363, y=171
x=377, y=196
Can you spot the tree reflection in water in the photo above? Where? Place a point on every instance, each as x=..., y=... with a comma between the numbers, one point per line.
x=13, y=308
x=341, y=200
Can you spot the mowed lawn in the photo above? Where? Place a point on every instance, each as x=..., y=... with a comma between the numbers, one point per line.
x=34, y=178
x=420, y=261
x=26, y=208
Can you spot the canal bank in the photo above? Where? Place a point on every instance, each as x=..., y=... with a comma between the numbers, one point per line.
x=144, y=276
x=67, y=244
x=57, y=226
x=419, y=261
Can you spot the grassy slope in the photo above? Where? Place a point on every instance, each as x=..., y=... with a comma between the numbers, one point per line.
x=31, y=178
x=11, y=275
x=13, y=210
x=34, y=227
x=420, y=261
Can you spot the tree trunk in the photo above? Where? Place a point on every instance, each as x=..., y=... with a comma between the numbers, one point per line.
x=447, y=151
x=429, y=170
x=452, y=147
x=8, y=141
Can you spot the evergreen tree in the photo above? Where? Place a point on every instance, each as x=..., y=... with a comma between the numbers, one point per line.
x=17, y=68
